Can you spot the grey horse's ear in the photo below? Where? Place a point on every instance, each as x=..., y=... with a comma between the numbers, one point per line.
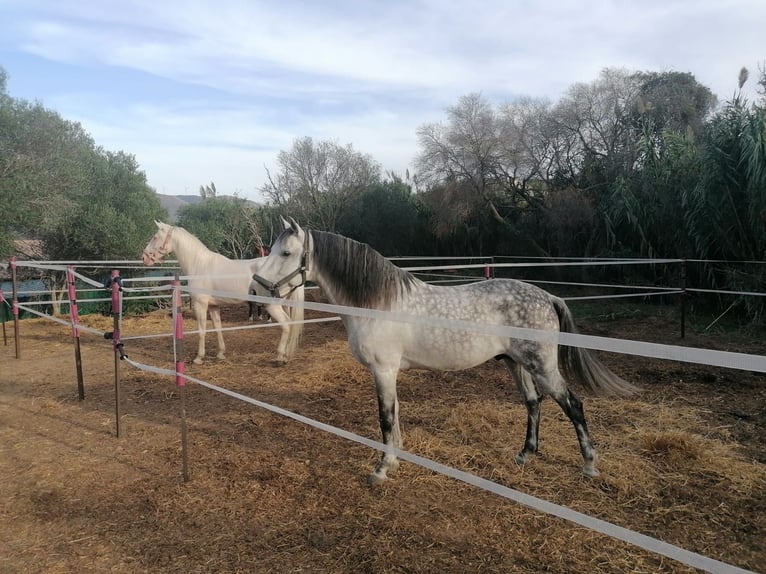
x=158, y=223
x=285, y=223
x=294, y=225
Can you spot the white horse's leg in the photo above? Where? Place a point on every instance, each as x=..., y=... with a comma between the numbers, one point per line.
x=295, y=314
x=280, y=316
x=200, y=312
x=291, y=334
x=215, y=315
x=388, y=413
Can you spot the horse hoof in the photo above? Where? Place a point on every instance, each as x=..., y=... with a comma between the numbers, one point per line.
x=521, y=459
x=590, y=471
x=589, y=468
x=198, y=361
x=221, y=357
x=375, y=479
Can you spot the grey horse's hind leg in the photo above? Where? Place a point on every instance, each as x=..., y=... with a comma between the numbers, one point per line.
x=532, y=399
x=572, y=406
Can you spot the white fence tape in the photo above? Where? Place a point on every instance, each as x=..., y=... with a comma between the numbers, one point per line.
x=607, y=285
x=240, y=328
x=711, y=357
x=62, y=321
x=566, y=264
x=752, y=293
x=622, y=296
x=88, y=280
x=38, y=265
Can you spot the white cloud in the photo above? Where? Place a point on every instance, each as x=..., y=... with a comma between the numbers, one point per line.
x=293, y=47
x=246, y=78
x=182, y=148
x=181, y=170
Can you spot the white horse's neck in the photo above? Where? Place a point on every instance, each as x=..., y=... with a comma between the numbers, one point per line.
x=191, y=253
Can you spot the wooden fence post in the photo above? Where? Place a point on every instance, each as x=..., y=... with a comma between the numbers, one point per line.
x=15, y=306
x=74, y=317
x=178, y=353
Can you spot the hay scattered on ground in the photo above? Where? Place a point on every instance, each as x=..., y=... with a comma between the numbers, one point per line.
x=679, y=462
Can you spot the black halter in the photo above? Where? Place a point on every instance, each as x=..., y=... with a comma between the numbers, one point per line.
x=273, y=287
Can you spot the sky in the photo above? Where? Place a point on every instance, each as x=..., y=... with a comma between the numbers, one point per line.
x=204, y=91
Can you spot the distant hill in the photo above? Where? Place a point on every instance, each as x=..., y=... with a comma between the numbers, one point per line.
x=174, y=202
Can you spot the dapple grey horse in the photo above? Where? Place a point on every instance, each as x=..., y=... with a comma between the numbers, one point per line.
x=353, y=274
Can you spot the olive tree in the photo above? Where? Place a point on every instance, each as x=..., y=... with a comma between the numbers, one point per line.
x=231, y=226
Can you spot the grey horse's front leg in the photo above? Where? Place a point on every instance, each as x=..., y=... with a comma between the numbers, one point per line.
x=388, y=414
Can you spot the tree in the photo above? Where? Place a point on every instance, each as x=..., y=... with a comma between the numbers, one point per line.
x=58, y=186
x=7, y=167
x=567, y=221
x=485, y=160
x=598, y=115
x=316, y=181
x=467, y=151
x=647, y=208
x=629, y=129
x=231, y=226
x=42, y=160
x=389, y=217
x=109, y=216
x=726, y=211
x=685, y=167
x=672, y=101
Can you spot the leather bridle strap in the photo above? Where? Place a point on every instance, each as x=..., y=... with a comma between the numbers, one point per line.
x=273, y=287
x=160, y=252
x=165, y=244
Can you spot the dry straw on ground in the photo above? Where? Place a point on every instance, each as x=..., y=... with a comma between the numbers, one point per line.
x=683, y=462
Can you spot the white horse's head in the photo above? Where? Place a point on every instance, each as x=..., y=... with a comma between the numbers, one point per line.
x=159, y=245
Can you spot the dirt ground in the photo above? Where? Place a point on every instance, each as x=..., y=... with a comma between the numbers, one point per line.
x=684, y=461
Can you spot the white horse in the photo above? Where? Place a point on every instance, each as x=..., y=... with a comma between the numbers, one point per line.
x=212, y=271
x=353, y=274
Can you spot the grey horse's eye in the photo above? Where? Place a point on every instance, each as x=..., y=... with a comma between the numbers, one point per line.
x=286, y=253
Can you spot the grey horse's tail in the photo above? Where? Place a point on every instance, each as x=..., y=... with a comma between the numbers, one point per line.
x=580, y=364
